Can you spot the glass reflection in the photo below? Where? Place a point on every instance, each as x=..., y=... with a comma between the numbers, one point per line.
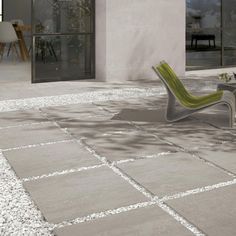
x=203, y=34
x=0, y=10
x=229, y=32
x=63, y=58
x=56, y=16
x=210, y=33
x=64, y=40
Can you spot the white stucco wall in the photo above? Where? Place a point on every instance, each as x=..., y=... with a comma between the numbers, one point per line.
x=133, y=35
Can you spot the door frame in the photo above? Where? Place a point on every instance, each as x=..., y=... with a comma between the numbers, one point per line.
x=222, y=53
x=92, y=39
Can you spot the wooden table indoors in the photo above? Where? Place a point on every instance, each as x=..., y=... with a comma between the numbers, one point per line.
x=22, y=45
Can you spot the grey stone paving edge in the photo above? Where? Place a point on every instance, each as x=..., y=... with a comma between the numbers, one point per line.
x=27, y=217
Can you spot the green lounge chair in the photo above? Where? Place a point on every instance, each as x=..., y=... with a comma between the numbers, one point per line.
x=189, y=102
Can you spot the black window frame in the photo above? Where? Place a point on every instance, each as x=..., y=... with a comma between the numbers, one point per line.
x=222, y=29
x=1, y=12
x=93, y=45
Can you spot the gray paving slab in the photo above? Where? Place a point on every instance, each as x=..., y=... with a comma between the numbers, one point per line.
x=33, y=134
x=160, y=127
x=91, y=128
x=174, y=173
x=192, y=139
x=152, y=102
x=224, y=157
x=217, y=116
x=214, y=212
x=123, y=145
x=48, y=159
x=189, y=134
x=81, y=112
x=79, y=194
x=20, y=118
x=233, y=130
x=151, y=115
x=150, y=221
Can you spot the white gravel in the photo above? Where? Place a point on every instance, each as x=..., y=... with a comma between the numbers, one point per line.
x=69, y=99
x=19, y=215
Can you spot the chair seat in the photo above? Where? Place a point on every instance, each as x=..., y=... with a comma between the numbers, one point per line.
x=7, y=36
x=190, y=103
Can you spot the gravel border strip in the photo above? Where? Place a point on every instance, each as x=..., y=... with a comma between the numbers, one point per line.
x=81, y=98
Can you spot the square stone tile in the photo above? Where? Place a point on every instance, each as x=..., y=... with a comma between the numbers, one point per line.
x=153, y=115
x=217, y=116
x=190, y=134
x=214, y=212
x=122, y=145
x=33, y=134
x=14, y=118
x=233, y=130
x=50, y=158
x=83, y=193
x=173, y=173
x=202, y=138
x=161, y=127
x=83, y=112
x=151, y=221
x=90, y=129
x=222, y=156
x=152, y=102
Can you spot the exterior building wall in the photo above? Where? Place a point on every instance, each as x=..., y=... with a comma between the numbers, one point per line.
x=133, y=35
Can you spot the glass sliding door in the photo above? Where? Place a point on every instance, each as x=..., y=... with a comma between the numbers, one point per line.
x=1, y=10
x=203, y=34
x=63, y=40
x=229, y=32
x=210, y=33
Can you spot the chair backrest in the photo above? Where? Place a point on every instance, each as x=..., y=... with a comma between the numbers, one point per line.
x=7, y=33
x=175, y=86
x=17, y=21
x=171, y=80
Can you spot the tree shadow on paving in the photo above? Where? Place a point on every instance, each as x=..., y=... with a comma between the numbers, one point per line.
x=151, y=102
x=217, y=116
x=20, y=117
x=128, y=145
x=190, y=131
x=141, y=115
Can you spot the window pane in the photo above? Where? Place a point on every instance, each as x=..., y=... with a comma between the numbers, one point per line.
x=229, y=33
x=0, y=10
x=74, y=16
x=203, y=33
x=60, y=58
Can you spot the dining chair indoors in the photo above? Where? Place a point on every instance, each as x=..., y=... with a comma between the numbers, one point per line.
x=7, y=36
x=14, y=22
x=17, y=21
x=44, y=44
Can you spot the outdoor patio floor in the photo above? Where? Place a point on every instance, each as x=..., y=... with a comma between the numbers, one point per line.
x=105, y=162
